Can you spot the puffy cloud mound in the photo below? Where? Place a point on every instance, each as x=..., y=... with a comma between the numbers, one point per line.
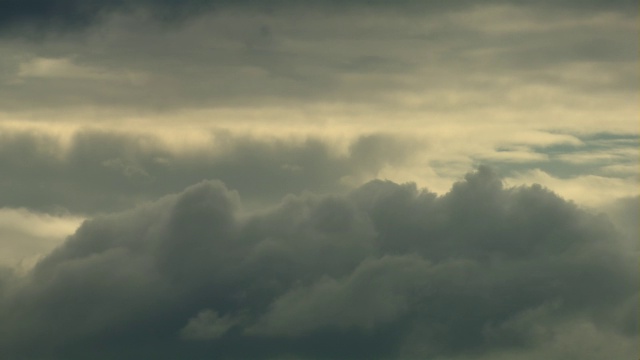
x=385, y=271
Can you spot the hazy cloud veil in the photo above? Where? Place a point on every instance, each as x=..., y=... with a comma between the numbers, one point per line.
x=319, y=180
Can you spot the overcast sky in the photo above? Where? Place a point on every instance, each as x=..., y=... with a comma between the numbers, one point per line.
x=319, y=179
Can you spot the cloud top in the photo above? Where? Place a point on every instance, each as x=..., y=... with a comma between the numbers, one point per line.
x=385, y=271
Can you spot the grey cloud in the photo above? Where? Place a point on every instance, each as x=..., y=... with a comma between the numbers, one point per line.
x=596, y=154
x=248, y=58
x=624, y=213
x=105, y=171
x=385, y=271
x=67, y=15
x=207, y=325
x=374, y=294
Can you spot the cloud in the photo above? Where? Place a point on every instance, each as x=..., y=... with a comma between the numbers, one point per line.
x=370, y=55
x=207, y=325
x=579, y=340
x=591, y=190
x=108, y=106
x=625, y=212
x=63, y=68
x=75, y=14
x=87, y=171
x=376, y=293
x=26, y=236
x=385, y=271
x=66, y=69
x=98, y=171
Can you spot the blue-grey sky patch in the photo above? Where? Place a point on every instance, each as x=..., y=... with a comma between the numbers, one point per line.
x=604, y=154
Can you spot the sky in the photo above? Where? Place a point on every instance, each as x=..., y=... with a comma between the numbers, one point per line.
x=319, y=179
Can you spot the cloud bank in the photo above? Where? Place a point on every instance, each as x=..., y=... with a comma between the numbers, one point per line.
x=102, y=171
x=298, y=107
x=385, y=271
x=76, y=14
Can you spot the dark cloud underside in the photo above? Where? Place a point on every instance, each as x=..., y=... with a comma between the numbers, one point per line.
x=385, y=271
x=44, y=15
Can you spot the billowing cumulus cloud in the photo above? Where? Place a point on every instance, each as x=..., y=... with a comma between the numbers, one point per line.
x=386, y=270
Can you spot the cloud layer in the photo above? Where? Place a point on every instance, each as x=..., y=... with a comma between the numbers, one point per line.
x=102, y=171
x=385, y=271
x=75, y=14
x=502, y=57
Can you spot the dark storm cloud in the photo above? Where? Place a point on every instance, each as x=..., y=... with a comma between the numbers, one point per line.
x=66, y=15
x=248, y=60
x=385, y=271
x=105, y=171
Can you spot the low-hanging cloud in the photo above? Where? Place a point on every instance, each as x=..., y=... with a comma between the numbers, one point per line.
x=68, y=15
x=385, y=271
x=100, y=171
